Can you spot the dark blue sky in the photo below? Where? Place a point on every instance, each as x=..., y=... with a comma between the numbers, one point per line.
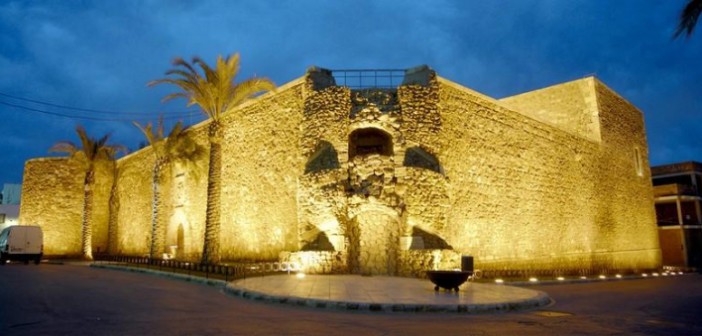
x=99, y=55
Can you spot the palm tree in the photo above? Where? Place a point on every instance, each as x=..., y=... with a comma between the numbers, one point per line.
x=216, y=93
x=114, y=210
x=177, y=147
x=688, y=18
x=92, y=152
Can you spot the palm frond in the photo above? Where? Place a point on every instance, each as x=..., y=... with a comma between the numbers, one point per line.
x=147, y=131
x=688, y=18
x=181, y=62
x=210, y=75
x=215, y=90
x=64, y=147
x=177, y=130
x=232, y=66
x=186, y=75
x=91, y=149
x=248, y=89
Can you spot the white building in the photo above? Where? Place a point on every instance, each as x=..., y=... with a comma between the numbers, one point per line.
x=9, y=205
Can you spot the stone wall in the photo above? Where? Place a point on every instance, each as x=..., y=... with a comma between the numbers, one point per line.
x=570, y=107
x=527, y=195
x=52, y=197
x=261, y=162
x=133, y=232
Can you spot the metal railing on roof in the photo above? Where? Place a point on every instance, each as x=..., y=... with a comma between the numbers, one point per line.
x=369, y=78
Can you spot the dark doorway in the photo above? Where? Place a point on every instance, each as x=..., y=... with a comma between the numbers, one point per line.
x=367, y=141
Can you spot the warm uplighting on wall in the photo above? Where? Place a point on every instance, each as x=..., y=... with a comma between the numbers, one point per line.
x=618, y=276
x=499, y=281
x=645, y=275
x=300, y=275
x=602, y=276
x=655, y=274
x=533, y=280
x=560, y=278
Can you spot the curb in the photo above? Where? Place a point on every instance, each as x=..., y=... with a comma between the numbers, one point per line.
x=541, y=300
x=182, y=277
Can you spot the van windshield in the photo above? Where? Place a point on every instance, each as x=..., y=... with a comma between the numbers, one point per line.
x=3, y=236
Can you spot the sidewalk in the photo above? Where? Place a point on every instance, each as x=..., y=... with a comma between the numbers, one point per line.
x=367, y=293
x=385, y=294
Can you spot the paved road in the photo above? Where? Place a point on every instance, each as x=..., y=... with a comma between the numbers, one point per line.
x=77, y=300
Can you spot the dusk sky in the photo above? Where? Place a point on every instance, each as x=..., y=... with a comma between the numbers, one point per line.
x=91, y=60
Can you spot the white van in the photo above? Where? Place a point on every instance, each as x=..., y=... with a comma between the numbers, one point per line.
x=21, y=242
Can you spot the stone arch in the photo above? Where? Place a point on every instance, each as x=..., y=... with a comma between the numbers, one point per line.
x=420, y=158
x=370, y=140
x=324, y=157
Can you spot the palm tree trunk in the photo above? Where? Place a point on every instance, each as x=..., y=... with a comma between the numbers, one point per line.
x=210, y=251
x=87, y=230
x=156, y=250
x=112, y=223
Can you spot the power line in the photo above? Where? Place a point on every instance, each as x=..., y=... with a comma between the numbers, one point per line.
x=57, y=114
x=187, y=113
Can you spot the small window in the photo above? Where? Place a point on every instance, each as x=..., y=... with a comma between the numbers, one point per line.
x=638, y=161
x=2, y=218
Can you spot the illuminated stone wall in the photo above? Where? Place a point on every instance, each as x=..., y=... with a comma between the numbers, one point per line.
x=52, y=197
x=260, y=165
x=133, y=231
x=530, y=196
x=394, y=181
x=570, y=107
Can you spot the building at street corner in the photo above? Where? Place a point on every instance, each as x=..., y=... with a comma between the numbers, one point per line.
x=389, y=179
x=677, y=189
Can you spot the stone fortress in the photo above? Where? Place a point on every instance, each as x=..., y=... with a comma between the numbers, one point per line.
x=389, y=181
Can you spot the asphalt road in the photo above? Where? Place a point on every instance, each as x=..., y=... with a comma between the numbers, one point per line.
x=77, y=300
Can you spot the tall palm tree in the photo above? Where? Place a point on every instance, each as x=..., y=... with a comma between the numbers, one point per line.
x=688, y=18
x=91, y=152
x=216, y=93
x=176, y=148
